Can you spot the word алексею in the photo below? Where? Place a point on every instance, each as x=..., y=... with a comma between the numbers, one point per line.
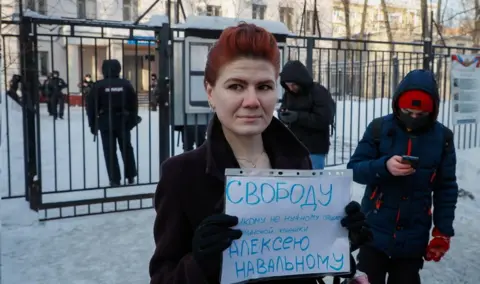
x=241, y=248
x=299, y=264
x=276, y=192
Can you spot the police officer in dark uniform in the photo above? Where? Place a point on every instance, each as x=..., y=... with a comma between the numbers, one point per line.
x=112, y=109
x=46, y=92
x=13, y=87
x=55, y=90
x=86, y=87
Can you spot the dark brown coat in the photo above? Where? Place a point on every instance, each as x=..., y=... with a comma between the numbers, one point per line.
x=192, y=188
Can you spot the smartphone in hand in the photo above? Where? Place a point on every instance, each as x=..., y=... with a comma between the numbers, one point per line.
x=410, y=160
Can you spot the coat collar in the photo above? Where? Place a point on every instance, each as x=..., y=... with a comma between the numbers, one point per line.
x=284, y=150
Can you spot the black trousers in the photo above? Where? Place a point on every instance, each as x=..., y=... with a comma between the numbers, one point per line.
x=57, y=100
x=49, y=105
x=193, y=135
x=377, y=265
x=109, y=143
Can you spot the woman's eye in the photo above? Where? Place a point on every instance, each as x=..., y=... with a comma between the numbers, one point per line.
x=265, y=88
x=236, y=87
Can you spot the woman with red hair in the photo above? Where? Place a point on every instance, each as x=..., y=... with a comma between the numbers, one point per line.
x=190, y=229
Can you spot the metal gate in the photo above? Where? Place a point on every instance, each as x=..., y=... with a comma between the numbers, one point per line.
x=61, y=170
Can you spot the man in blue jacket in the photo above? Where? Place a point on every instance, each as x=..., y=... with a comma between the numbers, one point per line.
x=404, y=158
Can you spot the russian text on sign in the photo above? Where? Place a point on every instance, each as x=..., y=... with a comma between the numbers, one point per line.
x=290, y=222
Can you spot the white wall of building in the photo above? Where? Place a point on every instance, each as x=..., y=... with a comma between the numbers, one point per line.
x=65, y=54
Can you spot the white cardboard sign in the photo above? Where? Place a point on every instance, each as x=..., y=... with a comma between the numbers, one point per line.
x=290, y=222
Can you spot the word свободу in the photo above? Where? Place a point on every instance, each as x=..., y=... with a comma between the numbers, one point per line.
x=254, y=194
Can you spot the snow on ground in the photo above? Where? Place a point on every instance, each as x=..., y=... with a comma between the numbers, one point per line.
x=115, y=248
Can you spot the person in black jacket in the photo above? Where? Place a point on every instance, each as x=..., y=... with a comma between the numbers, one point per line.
x=86, y=87
x=112, y=109
x=55, y=88
x=46, y=92
x=13, y=86
x=308, y=109
x=153, y=93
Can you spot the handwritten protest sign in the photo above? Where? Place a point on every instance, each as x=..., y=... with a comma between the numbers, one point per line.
x=290, y=222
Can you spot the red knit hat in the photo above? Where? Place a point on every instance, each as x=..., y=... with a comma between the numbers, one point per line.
x=416, y=99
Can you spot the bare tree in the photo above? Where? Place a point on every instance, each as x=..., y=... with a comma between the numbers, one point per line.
x=240, y=6
x=346, y=12
x=386, y=19
x=364, y=19
x=476, y=31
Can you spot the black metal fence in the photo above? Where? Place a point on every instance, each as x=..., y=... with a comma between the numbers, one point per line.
x=57, y=167
x=362, y=76
x=61, y=170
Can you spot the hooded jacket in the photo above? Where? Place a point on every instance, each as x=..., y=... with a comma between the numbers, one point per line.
x=399, y=209
x=112, y=102
x=421, y=80
x=312, y=103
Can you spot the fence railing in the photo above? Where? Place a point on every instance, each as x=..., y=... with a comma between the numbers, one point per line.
x=55, y=165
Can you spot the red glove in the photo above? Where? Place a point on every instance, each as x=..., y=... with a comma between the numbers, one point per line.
x=438, y=246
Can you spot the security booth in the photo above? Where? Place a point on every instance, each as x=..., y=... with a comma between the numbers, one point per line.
x=190, y=104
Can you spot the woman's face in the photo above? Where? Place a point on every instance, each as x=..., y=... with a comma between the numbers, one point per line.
x=244, y=96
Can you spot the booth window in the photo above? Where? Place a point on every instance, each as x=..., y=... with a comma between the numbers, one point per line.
x=87, y=9
x=258, y=11
x=286, y=16
x=213, y=10
x=130, y=10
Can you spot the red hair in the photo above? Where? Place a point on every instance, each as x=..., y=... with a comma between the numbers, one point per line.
x=244, y=40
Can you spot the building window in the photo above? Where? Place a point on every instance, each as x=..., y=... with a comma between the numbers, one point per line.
x=309, y=21
x=130, y=10
x=258, y=11
x=338, y=15
x=214, y=10
x=174, y=11
x=39, y=6
x=87, y=9
x=395, y=18
x=43, y=63
x=286, y=17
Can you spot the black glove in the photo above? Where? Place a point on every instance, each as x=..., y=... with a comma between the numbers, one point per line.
x=213, y=236
x=288, y=116
x=359, y=232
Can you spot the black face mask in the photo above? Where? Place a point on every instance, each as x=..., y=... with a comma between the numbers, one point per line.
x=414, y=123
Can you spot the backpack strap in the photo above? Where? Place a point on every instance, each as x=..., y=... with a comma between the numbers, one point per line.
x=448, y=139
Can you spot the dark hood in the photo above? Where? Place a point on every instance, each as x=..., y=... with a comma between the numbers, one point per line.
x=111, y=68
x=296, y=72
x=422, y=80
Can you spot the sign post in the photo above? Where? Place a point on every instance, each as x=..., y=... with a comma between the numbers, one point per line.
x=465, y=86
x=290, y=221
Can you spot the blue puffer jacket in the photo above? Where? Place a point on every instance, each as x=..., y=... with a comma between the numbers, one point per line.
x=399, y=209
